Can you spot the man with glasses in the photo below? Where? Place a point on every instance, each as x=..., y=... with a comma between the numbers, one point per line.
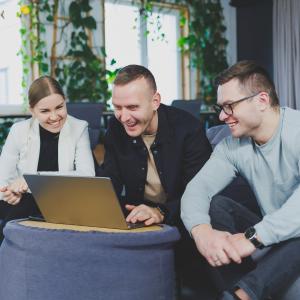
x=228, y=108
x=264, y=149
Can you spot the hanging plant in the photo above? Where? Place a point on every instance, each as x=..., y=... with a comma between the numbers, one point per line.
x=152, y=24
x=205, y=43
x=33, y=54
x=83, y=74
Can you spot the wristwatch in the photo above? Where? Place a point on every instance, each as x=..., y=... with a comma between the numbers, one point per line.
x=251, y=235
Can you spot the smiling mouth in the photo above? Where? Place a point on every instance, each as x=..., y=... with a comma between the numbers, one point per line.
x=231, y=124
x=130, y=125
x=54, y=124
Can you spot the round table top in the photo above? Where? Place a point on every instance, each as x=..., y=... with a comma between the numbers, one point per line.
x=45, y=225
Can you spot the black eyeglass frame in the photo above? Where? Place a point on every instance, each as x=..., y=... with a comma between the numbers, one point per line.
x=228, y=108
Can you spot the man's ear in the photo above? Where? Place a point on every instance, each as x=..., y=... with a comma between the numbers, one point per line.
x=264, y=100
x=156, y=101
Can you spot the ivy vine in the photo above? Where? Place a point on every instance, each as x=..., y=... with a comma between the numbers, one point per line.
x=205, y=43
x=81, y=73
x=33, y=49
x=154, y=27
x=84, y=76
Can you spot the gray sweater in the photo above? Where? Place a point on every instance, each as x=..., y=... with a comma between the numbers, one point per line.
x=272, y=171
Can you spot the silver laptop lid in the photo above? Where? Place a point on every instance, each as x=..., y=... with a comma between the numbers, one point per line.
x=86, y=201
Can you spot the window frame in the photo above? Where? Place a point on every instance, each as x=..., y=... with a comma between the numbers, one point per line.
x=185, y=73
x=8, y=108
x=19, y=109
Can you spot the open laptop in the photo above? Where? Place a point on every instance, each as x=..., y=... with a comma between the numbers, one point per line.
x=85, y=201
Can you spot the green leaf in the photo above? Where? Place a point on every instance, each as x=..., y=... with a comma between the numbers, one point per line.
x=44, y=68
x=23, y=31
x=85, y=6
x=182, y=21
x=75, y=64
x=50, y=18
x=103, y=52
x=57, y=71
x=75, y=14
x=46, y=7
x=83, y=36
x=62, y=82
x=181, y=42
x=89, y=22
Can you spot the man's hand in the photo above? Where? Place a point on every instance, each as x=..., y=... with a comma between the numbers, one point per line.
x=143, y=213
x=9, y=196
x=242, y=245
x=215, y=246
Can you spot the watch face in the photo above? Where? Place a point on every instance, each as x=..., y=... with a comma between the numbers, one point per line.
x=250, y=232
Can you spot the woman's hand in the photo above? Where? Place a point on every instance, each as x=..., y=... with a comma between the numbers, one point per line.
x=12, y=193
x=18, y=186
x=9, y=196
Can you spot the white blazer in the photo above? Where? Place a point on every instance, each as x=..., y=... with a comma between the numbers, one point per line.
x=21, y=151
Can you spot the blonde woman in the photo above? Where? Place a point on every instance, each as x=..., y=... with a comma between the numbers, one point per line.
x=50, y=141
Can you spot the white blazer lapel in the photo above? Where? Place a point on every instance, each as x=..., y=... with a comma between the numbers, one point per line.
x=66, y=148
x=33, y=148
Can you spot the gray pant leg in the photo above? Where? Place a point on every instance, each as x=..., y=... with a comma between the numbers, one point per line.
x=274, y=272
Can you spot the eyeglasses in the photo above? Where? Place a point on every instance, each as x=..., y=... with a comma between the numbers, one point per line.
x=228, y=108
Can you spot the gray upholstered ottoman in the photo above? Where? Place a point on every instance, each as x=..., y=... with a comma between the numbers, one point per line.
x=66, y=264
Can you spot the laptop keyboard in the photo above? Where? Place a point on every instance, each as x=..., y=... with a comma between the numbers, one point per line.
x=135, y=225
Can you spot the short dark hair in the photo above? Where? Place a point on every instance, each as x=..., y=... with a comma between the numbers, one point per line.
x=133, y=72
x=250, y=76
x=42, y=87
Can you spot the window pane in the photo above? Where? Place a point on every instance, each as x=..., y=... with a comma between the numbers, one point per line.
x=3, y=86
x=121, y=34
x=164, y=55
x=10, y=63
x=127, y=42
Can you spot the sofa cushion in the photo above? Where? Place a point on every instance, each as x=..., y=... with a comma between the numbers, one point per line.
x=217, y=133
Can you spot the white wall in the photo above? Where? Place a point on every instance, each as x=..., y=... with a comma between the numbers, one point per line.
x=231, y=32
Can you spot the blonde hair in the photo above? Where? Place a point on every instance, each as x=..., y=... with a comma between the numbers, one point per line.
x=43, y=87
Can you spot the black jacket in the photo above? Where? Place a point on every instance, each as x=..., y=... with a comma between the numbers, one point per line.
x=180, y=150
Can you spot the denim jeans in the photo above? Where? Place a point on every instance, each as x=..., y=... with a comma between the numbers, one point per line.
x=273, y=273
